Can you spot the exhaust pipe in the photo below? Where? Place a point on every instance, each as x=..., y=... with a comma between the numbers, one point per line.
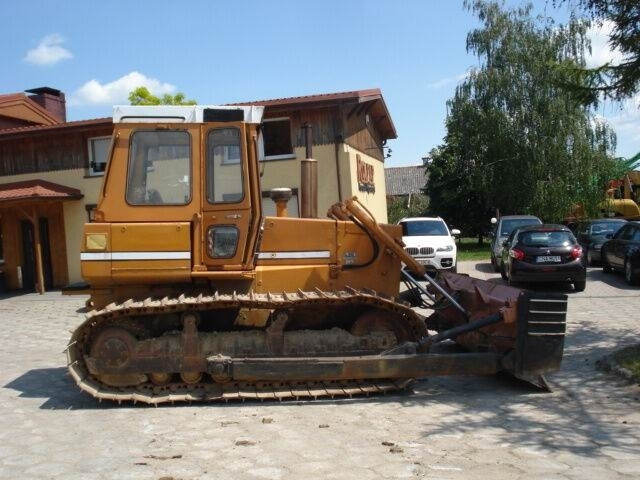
x=309, y=178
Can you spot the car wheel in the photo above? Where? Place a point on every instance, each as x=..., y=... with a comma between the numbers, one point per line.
x=629, y=276
x=606, y=268
x=580, y=286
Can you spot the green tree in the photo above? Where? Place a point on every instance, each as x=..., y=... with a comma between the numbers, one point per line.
x=616, y=81
x=142, y=96
x=515, y=140
x=412, y=206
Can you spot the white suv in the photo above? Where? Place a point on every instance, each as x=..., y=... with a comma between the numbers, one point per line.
x=429, y=241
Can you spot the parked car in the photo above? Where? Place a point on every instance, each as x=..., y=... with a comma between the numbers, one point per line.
x=543, y=253
x=622, y=252
x=429, y=241
x=503, y=226
x=592, y=234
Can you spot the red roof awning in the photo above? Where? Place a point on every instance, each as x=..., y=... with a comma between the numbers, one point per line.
x=36, y=190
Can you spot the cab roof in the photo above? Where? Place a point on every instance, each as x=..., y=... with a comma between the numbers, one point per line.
x=186, y=113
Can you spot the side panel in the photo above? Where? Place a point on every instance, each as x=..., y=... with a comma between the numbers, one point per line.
x=153, y=252
x=308, y=253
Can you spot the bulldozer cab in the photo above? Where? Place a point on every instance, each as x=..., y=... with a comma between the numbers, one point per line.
x=180, y=194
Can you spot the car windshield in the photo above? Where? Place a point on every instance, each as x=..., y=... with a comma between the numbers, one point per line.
x=423, y=228
x=510, y=225
x=602, y=228
x=546, y=239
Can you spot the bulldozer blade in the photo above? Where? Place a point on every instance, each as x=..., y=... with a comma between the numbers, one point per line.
x=531, y=331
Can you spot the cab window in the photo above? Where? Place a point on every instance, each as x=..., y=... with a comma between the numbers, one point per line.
x=159, y=170
x=224, y=166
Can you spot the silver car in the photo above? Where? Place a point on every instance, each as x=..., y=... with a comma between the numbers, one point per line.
x=503, y=226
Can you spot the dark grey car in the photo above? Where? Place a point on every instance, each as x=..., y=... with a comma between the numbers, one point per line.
x=503, y=226
x=622, y=252
x=592, y=234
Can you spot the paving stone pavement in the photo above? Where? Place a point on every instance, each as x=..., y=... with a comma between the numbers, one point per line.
x=448, y=428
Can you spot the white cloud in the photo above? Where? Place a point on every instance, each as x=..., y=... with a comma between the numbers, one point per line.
x=624, y=117
x=48, y=52
x=444, y=82
x=626, y=122
x=601, y=51
x=117, y=92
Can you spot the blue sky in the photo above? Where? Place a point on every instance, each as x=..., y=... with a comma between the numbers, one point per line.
x=222, y=52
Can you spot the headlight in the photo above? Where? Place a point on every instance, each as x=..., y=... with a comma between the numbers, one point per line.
x=448, y=248
x=222, y=241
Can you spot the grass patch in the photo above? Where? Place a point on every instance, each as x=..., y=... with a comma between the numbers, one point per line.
x=629, y=358
x=468, y=249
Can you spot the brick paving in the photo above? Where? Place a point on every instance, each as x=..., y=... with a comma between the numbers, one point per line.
x=448, y=428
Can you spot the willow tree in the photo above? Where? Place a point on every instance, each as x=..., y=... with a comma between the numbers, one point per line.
x=515, y=140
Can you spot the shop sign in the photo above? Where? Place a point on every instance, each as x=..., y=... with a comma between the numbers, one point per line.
x=365, y=176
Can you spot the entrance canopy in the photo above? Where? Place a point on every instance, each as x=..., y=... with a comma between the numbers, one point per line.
x=28, y=200
x=35, y=191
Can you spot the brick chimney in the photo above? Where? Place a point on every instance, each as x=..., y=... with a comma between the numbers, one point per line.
x=51, y=100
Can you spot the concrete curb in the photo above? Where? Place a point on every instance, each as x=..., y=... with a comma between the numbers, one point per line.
x=610, y=364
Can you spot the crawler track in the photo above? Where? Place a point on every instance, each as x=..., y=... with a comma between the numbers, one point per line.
x=131, y=311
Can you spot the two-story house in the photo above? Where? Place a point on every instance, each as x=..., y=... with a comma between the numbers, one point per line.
x=51, y=171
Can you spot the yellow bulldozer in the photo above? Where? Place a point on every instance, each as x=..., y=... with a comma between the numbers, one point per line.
x=196, y=295
x=623, y=196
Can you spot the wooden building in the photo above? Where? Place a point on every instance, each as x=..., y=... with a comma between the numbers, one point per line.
x=51, y=171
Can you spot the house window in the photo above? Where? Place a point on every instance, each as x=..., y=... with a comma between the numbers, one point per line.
x=275, y=141
x=98, y=151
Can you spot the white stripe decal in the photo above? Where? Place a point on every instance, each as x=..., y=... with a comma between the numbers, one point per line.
x=135, y=256
x=95, y=256
x=293, y=255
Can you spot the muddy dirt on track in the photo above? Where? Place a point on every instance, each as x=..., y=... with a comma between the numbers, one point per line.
x=448, y=428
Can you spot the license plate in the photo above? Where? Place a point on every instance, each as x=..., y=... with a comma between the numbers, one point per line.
x=548, y=259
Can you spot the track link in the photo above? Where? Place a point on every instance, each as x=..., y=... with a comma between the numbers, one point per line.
x=232, y=391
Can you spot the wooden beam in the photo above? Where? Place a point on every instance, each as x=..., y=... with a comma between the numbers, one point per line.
x=39, y=269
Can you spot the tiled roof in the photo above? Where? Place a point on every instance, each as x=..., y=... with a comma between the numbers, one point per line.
x=12, y=100
x=405, y=180
x=372, y=94
x=378, y=109
x=36, y=190
x=322, y=97
x=6, y=97
x=37, y=128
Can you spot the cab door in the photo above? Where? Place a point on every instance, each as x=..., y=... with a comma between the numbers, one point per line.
x=226, y=208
